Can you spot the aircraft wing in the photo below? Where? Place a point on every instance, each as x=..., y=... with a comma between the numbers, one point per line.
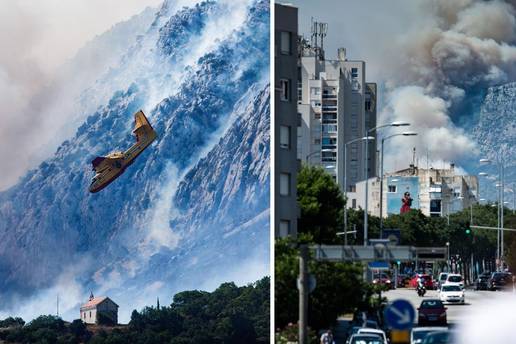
x=101, y=162
x=142, y=126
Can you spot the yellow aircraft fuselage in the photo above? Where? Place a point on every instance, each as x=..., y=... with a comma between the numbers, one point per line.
x=108, y=168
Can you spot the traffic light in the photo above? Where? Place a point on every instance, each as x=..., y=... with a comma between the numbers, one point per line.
x=468, y=231
x=398, y=262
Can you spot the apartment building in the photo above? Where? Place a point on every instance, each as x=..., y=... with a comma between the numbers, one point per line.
x=336, y=105
x=436, y=192
x=286, y=121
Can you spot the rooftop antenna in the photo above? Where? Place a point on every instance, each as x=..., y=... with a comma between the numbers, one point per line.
x=414, y=156
x=57, y=305
x=313, y=37
x=323, y=30
x=318, y=30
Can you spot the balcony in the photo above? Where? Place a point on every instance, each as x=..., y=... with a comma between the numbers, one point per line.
x=329, y=108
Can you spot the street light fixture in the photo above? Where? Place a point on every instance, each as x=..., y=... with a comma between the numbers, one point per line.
x=406, y=133
x=366, y=167
x=366, y=139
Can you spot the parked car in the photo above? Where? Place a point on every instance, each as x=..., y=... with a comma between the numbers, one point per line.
x=403, y=281
x=455, y=279
x=442, y=279
x=432, y=312
x=452, y=293
x=481, y=283
x=500, y=281
x=418, y=334
x=383, y=279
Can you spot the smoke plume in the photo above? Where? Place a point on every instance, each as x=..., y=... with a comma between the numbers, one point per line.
x=443, y=70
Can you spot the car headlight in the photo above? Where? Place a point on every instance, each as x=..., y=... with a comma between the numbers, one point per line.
x=388, y=281
x=442, y=315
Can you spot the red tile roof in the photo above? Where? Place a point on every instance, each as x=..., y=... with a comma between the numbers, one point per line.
x=94, y=302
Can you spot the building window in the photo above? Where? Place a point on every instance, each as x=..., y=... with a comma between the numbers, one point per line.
x=285, y=43
x=284, y=184
x=284, y=228
x=315, y=91
x=391, y=188
x=317, y=115
x=355, y=85
x=90, y=314
x=435, y=206
x=284, y=90
x=354, y=203
x=284, y=137
x=354, y=72
x=317, y=141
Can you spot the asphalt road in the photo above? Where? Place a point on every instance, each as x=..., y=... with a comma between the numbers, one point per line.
x=455, y=313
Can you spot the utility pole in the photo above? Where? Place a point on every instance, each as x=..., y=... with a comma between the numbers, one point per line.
x=303, y=294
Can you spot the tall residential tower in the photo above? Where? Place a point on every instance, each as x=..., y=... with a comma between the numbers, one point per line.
x=337, y=105
x=286, y=121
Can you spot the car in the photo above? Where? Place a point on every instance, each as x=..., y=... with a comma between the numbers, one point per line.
x=499, y=281
x=374, y=331
x=452, y=293
x=383, y=279
x=371, y=324
x=366, y=339
x=442, y=278
x=418, y=334
x=455, y=279
x=427, y=281
x=403, y=281
x=432, y=312
x=440, y=337
x=481, y=283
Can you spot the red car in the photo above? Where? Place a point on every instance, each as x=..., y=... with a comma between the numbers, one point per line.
x=428, y=281
x=432, y=312
x=383, y=279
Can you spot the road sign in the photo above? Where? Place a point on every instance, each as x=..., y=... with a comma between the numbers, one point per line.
x=312, y=283
x=400, y=315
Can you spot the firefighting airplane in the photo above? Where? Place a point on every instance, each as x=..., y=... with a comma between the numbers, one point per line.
x=109, y=167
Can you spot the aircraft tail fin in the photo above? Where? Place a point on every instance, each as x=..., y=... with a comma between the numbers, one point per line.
x=142, y=125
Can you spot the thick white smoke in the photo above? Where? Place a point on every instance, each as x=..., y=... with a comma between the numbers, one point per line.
x=467, y=46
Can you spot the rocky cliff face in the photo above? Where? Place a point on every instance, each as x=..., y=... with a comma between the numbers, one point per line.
x=496, y=132
x=192, y=208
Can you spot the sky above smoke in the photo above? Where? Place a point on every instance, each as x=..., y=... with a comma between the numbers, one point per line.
x=37, y=38
x=432, y=60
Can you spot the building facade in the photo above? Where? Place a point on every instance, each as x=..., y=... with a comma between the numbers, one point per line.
x=99, y=310
x=286, y=121
x=436, y=192
x=336, y=106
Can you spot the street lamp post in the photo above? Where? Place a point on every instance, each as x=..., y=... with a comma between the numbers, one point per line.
x=365, y=138
x=310, y=155
x=500, y=163
x=407, y=133
x=366, y=165
x=448, y=254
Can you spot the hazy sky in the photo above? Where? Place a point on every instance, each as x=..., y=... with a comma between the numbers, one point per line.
x=37, y=37
x=430, y=59
x=43, y=33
